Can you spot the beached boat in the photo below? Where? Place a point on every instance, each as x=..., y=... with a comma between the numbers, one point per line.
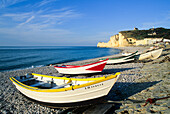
x=84, y=69
x=150, y=54
x=122, y=59
x=62, y=90
x=126, y=54
x=129, y=53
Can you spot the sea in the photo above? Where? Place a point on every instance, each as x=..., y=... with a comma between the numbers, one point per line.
x=25, y=57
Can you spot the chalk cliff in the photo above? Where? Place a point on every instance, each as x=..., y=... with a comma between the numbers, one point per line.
x=118, y=40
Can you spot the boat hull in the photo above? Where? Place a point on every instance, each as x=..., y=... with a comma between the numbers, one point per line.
x=69, y=105
x=85, y=69
x=122, y=59
x=154, y=54
x=72, y=96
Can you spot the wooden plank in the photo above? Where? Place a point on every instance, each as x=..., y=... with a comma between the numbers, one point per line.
x=98, y=109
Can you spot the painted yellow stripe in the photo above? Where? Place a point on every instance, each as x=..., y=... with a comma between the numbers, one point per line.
x=98, y=81
x=14, y=80
x=68, y=88
x=65, y=78
x=23, y=84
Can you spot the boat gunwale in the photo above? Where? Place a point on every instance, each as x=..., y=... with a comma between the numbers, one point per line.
x=20, y=83
x=64, y=89
x=65, y=78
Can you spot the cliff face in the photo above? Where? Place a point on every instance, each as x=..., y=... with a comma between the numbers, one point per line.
x=118, y=40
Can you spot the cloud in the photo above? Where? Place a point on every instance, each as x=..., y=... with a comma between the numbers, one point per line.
x=6, y=3
x=42, y=17
x=35, y=36
x=27, y=21
x=164, y=21
x=17, y=17
x=45, y=2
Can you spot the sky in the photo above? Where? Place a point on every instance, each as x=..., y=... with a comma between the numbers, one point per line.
x=76, y=22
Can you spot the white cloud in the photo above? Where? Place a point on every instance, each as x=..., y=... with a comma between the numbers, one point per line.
x=36, y=35
x=16, y=17
x=42, y=17
x=6, y=3
x=162, y=22
x=27, y=21
x=45, y=2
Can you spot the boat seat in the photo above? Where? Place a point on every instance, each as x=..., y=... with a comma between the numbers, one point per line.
x=61, y=86
x=38, y=84
x=28, y=79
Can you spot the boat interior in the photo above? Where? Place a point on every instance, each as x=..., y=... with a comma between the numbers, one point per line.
x=50, y=82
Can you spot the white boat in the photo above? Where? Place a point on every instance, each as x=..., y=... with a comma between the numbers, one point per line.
x=62, y=90
x=122, y=59
x=152, y=54
x=126, y=54
x=84, y=69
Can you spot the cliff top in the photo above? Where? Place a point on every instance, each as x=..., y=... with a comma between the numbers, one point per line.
x=151, y=33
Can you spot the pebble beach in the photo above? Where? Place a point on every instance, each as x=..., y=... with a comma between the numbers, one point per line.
x=138, y=81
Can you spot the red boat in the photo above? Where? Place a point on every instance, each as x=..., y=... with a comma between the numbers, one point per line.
x=84, y=69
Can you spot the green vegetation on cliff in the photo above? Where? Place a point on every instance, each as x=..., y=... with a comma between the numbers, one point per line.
x=151, y=33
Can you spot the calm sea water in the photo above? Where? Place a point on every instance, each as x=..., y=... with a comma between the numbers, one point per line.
x=22, y=57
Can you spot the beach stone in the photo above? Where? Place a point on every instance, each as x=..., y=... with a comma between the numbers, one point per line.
x=130, y=111
x=119, y=111
x=151, y=88
x=158, y=108
x=138, y=106
x=165, y=111
x=5, y=112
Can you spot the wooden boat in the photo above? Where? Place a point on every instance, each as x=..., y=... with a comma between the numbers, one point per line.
x=84, y=69
x=150, y=54
x=122, y=59
x=128, y=53
x=62, y=90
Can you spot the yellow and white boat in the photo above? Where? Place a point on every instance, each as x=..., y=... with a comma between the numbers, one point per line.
x=63, y=90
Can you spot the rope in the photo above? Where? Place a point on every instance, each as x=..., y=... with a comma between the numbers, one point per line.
x=153, y=101
x=129, y=101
